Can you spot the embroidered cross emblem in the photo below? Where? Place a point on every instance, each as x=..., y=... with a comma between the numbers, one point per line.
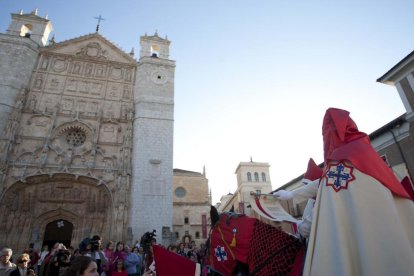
x=338, y=176
x=220, y=253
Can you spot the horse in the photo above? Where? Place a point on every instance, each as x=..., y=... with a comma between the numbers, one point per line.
x=242, y=245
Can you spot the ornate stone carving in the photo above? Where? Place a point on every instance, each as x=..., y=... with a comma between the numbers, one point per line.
x=59, y=65
x=108, y=133
x=100, y=71
x=92, y=50
x=67, y=105
x=26, y=208
x=126, y=92
x=38, y=83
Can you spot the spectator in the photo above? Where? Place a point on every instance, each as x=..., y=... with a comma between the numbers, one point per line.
x=120, y=269
x=94, y=250
x=119, y=254
x=131, y=262
x=109, y=255
x=139, y=265
x=181, y=250
x=22, y=268
x=45, y=264
x=5, y=264
x=43, y=254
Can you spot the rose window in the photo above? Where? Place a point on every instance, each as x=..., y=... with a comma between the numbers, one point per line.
x=76, y=137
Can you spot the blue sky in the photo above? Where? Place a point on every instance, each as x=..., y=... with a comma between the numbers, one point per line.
x=254, y=78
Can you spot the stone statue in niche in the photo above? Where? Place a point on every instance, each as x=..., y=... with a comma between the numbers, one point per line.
x=88, y=69
x=100, y=71
x=127, y=92
x=38, y=82
x=113, y=92
x=128, y=74
x=76, y=68
x=54, y=84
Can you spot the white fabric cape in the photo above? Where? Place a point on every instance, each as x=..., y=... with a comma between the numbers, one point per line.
x=361, y=230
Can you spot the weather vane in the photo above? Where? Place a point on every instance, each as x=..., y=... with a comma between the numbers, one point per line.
x=99, y=21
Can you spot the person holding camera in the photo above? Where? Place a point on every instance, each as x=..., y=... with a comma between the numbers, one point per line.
x=94, y=250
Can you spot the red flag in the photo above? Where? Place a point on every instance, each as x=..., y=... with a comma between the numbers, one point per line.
x=169, y=263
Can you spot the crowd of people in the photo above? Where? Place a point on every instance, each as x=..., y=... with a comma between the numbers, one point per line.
x=91, y=259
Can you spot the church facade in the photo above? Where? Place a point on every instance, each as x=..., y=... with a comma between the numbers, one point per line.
x=86, y=137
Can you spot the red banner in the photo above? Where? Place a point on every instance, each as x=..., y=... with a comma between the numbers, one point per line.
x=204, y=226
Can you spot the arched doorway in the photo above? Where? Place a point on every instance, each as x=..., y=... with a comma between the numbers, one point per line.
x=58, y=231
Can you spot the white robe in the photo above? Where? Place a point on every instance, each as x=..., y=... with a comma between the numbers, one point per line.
x=361, y=230
x=308, y=191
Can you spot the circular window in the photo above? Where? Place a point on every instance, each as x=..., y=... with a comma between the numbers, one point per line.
x=180, y=192
x=76, y=137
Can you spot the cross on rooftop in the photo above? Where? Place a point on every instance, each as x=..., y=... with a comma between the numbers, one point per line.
x=99, y=21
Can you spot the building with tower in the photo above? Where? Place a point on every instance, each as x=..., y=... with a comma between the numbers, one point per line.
x=86, y=137
x=251, y=177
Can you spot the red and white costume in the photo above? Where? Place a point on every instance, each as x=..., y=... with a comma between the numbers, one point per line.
x=363, y=222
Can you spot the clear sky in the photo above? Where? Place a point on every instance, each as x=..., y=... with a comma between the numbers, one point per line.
x=254, y=78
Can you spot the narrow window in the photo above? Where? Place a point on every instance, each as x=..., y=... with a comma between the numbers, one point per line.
x=249, y=177
x=197, y=235
x=263, y=177
x=186, y=220
x=256, y=177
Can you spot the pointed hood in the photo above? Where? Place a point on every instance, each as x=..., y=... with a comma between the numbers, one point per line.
x=313, y=172
x=343, y=141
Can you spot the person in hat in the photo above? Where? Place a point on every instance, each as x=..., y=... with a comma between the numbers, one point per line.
x=363, y=217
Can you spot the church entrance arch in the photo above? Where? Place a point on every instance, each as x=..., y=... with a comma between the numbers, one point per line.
x=30, y=210
x=58, y=231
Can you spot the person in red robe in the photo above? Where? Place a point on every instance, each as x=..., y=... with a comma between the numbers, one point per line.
x=363, y=217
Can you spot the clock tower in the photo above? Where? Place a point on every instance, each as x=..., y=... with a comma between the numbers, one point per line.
x=151, y=187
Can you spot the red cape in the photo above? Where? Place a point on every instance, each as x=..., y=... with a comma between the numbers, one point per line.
x=343, y=141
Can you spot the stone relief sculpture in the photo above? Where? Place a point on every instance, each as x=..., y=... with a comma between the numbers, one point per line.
x=38, y=82
x=126, y=92
x=93, y=50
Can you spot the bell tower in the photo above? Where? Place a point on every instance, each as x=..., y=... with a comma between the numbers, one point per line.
x=31, y=26
x=19, y=46
x=151, y=188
